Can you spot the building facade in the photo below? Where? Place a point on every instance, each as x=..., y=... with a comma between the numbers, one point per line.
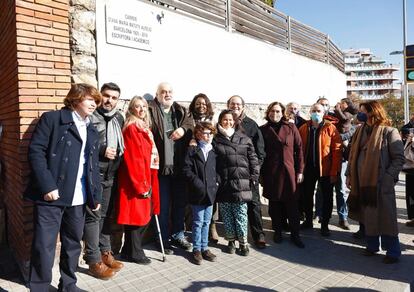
x=368, y=76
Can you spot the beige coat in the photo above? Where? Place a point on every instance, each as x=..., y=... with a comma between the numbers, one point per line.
x=382, y=219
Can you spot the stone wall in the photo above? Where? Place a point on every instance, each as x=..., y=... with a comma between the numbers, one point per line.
x=82, y=41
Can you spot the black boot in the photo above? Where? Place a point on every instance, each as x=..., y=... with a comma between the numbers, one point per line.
x=295, y=239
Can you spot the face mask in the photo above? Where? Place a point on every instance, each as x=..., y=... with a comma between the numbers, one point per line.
x=362, y=117
x=317, y=117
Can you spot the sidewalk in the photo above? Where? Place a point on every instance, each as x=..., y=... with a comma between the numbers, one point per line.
x=332, y=264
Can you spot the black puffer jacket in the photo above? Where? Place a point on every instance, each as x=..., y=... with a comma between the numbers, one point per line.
x=107, y=168
x=202, y=176
x=237, y=167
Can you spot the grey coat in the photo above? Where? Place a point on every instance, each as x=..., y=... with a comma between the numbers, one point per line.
x=382, y=219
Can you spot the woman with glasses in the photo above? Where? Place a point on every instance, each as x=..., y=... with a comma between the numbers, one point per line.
x=282, y=170
x=238, y=171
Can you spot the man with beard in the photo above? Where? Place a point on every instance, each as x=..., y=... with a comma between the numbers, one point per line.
x=172, y=128
x=251, y=129
x=97, y=234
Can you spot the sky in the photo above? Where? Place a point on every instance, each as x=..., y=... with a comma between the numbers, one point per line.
x=373, y=24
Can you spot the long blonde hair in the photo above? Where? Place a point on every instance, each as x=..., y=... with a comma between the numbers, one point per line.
x=131, y=116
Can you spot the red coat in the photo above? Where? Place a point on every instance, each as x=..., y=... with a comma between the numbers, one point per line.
x=135, y=177
x=283, y=161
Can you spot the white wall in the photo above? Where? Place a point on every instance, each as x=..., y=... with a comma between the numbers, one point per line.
x=198, y=57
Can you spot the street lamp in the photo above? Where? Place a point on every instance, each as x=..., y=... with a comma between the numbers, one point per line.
x=397, y=53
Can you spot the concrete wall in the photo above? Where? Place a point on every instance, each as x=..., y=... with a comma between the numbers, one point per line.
x=198, y=57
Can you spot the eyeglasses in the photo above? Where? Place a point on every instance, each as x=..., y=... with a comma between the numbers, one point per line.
x=207, y=133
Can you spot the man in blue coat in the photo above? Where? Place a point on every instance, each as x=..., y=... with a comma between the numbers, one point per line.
x=63, y=155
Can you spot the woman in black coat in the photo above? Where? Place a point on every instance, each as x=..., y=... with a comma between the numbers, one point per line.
x=282, y=169
x=238, y=170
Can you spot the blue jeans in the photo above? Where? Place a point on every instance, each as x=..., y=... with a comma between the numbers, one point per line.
x=201, y=223
x=342, y=193
x=173, y=197
x=389, y=243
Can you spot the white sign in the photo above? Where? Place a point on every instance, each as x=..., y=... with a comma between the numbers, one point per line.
x=129, y=28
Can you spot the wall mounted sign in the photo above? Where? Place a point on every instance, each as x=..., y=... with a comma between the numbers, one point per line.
x=133, y=29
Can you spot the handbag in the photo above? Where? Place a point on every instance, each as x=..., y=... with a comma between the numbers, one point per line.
x=409, y=155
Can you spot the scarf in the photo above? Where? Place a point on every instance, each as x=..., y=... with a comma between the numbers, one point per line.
x=226, y=132
x=364, y=177
x=205, y=148
x=114, y=138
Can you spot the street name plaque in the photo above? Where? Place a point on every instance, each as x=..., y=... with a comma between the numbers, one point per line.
x=132, y=29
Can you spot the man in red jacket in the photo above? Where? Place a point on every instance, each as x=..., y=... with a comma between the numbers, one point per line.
x=322, y=153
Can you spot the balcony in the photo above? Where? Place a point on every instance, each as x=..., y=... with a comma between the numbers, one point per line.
x=372, y=77
x=372, y=67
x=374, y=87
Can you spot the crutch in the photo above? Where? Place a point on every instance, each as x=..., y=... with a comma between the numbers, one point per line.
x=160, y=237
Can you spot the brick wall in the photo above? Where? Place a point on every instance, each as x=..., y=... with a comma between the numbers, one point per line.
x=35, y=78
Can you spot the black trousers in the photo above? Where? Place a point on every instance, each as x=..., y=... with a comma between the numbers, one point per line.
x=254, y=214
x=133, y=241
x=278, y=211
x=311, y=177
x=48, y=222
x=97, y=232
x=409, y=192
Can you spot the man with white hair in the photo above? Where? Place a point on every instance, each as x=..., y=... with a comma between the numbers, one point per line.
x=172, y=128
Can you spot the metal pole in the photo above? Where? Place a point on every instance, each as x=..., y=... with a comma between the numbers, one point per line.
x=289, y=35
x=228, y=15
x=328, y=60
x=405, y=86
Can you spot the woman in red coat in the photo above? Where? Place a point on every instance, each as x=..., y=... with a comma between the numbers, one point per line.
x=282, y=170
x=138, y=180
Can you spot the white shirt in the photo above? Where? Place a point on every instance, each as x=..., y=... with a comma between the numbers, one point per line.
x=79, y=197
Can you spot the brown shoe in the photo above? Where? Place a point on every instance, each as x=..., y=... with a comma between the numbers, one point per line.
x=197, y=258
x=101, y=271
x=209, y=256
x=109, y=260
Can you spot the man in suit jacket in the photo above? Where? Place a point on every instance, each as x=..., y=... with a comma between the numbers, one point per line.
x=63, y=155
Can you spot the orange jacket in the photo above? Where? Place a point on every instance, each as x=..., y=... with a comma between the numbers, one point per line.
x=329, y=146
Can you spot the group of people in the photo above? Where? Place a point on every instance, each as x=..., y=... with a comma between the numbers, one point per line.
x=91, y=167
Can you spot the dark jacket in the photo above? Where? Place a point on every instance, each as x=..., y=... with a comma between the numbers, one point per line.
x=237, y=167
x=405, y=130
x=201, y=175
x=249, y=127
x=181, y=119
x=344, y=124
x=107, y=167
x=284, y=160
x=54, y=159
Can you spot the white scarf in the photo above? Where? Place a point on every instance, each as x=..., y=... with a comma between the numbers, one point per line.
x=226, y=132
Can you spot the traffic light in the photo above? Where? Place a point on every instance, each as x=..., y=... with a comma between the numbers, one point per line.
x=409, y=64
